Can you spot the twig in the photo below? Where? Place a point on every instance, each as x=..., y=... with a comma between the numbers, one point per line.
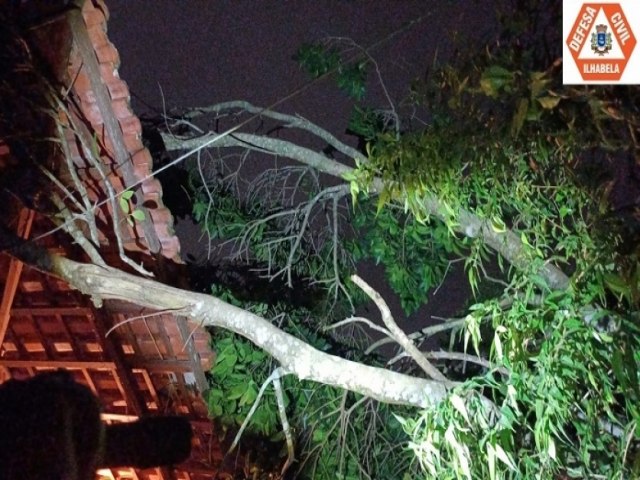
x=144, y=317
x=277, y=373
x=365, y=52
x=398, y=334
x=448, y=324
x=72, y=229
x=366, y=321
x=89, y=209
x=87, y=146
x=277, y=386
x=464, y=357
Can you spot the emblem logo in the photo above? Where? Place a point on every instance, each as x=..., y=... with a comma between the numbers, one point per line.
x=601, y=41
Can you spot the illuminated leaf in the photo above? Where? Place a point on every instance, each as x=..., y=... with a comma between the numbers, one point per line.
x=549, y=103
x=459, y=405
x=138, y=215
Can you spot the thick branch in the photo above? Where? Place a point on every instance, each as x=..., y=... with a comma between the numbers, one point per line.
x=262, y=144
x=295, y=356
x=397, y=333
x=289, y=121
x=505, y=243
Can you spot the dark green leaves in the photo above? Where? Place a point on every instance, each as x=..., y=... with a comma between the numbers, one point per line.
x=318, y=60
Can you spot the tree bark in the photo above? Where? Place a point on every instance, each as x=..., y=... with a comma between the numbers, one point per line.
x=506, y=243
x=295, y=356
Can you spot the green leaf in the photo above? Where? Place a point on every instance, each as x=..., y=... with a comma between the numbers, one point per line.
x=617, y=284
x=520, y=116
x=494, y=79
x=551, y=449
x=127, y=194
x=497, y=225
x=236, y=391
x=491, y=461
x=249, y=395
x=124, y=205
x=504, y=458
x=459, y=405
x=549, y=103
x=138, y=215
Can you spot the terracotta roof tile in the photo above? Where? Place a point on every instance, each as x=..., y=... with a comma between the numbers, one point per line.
x=93, y=16
x=131, y=126
x=98, y=35
x=121, y=108
x=118, y=90
x=108, y=54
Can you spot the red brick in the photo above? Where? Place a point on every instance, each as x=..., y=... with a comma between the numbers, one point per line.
x=116, y=181
x=170, y=248
x=100, y=5
x=153, y=198
x=92, y=113
x=109, y=73
x=140, y=171
x=151, y=185
x=87, y=96
x=143, y=158
x=162, y=229
x=81, y=82
x=161, y=215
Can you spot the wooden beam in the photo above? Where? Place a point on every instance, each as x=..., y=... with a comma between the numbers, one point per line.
x=161, y=366
x=51, y=311
x=54, y=364
x=124, y=376
x=25, y=220
x=153, y=366
x=194, y=356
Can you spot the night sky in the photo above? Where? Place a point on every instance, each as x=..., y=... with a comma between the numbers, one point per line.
x=204, y=52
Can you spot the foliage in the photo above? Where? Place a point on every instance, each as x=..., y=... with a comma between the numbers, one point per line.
x=506, y=143
x=235, y=384
x=222, y=220
x=266, y=231
x=415, y=254
x=319, y=60
x=338, y=434
x=131, y=215
x=568, y=403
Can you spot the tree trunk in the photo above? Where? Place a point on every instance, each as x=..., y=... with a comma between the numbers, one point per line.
x=295, y=356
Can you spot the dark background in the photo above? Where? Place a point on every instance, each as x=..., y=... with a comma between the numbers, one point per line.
x=203, y=52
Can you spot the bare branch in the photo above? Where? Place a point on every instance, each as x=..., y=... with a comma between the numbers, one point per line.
x=294, y=355
x=289, y=121
x=397, y=332
x=277, y=386
x=463, y=357
x=89, y=148
x=506, y=243
x=273, y=146
x=366, y=321
x=71, y=228
x=276, y=374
